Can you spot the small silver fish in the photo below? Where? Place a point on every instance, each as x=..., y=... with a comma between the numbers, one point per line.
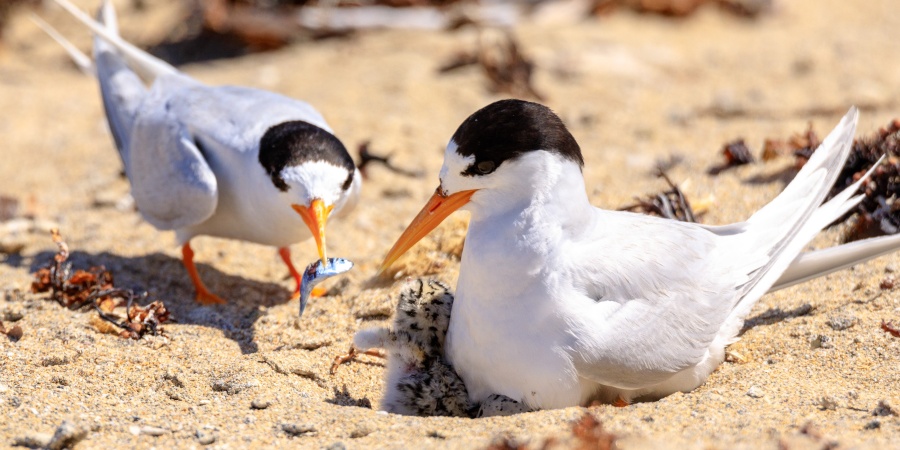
x=317, y=272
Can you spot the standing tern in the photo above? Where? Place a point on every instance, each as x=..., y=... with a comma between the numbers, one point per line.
x=560, y=303
x=229, y=162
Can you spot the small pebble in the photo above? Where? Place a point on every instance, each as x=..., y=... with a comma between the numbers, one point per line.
x=884, y=408
x=12, y=244
x=12, y=315
x=66, y=436
x=205, y=437
x=232, y=387
x=820, y=341
x=840, y=323
x=336, y=446
x=889, y=268
x=152, y=431
x=259, y=403
x=828, y=403
x=873, y=425
x=15, y=333
x=755, y=392
x=362, y=431
x=55, y=360
x=294, y=429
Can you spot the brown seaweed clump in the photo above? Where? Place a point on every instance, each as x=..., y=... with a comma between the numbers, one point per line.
x=94, y=288
x=879, y=211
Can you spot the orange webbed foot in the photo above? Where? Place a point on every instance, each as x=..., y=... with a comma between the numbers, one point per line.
x=317, y=292
x=208, y=298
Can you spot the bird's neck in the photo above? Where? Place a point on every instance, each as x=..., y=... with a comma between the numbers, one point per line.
x=536, y=211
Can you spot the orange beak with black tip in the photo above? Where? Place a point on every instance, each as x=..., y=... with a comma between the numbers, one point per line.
x=315, y=216
x=435, y=211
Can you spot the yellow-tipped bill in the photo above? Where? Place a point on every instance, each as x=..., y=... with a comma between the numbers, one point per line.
x=315, y=216
x=435, y=211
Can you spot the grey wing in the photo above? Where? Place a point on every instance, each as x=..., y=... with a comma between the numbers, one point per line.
x=659, y=304
x=172, y=184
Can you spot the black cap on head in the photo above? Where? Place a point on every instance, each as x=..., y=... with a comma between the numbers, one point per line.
x=508, y=128
x=293, y=143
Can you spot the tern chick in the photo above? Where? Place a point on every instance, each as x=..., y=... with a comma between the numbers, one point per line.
x=419, y=381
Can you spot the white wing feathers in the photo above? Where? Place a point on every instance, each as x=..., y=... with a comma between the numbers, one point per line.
x=796, y=215
x=732, y=266
x=140, y=61
x=172, y=184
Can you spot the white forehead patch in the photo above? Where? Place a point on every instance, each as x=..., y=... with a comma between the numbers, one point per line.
x=454, y=162
x=317, y=179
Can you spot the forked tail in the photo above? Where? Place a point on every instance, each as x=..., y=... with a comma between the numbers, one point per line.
x=117, y=65
x=776, y=234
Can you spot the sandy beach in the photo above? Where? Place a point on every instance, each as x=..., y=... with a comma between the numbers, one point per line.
x=634, y=90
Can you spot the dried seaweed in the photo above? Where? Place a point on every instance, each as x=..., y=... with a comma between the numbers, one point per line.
x=14, y=334
x=803, y=146
x=213, y=29
x=139, y=320
x=889, y=328
x=587, y=434
x=70, y=289
x=506, y=442
x=366, y=157
x=683, y=8
x=879, y=211
x=671, y=204
x=506, y=67
x=590, y=435
x=94, y=288
x=736, y=154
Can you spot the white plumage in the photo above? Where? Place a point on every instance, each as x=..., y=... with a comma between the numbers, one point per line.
x=560, y=303
x=227, y=161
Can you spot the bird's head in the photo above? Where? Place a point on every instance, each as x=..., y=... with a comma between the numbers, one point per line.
x=313, y=171
x=495, y=157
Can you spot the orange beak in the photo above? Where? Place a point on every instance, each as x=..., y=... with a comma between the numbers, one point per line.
x=435, y=211
x=315, y=216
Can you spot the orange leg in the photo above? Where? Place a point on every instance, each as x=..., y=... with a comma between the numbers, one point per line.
x=620, y=402
x=204, y=297
x=285, y=254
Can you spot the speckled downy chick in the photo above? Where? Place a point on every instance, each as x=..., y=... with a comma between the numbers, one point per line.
x=419, y=381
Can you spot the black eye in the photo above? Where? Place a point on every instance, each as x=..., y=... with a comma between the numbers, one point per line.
x=485, y=167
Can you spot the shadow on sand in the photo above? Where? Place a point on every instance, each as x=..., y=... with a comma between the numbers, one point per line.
x=165, y=278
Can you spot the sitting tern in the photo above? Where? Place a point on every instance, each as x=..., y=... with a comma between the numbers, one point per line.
x=560, y=303
x=230, y=162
